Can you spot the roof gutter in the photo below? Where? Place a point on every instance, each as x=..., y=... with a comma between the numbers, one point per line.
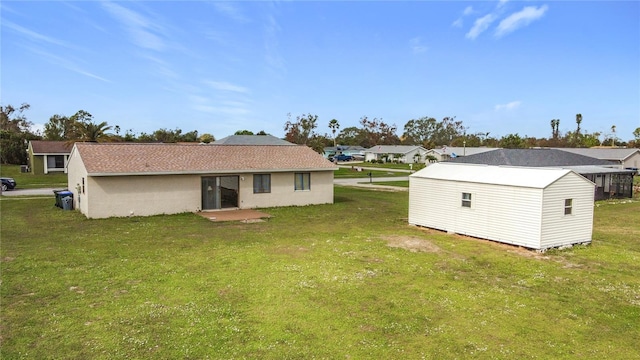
x=208, y=172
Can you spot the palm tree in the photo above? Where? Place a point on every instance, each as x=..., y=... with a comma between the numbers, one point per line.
x=93, y=132
x=553, y=128
x=333, y=125
x=578, y=121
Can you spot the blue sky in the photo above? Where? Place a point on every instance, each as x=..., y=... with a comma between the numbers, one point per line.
x=218, y=67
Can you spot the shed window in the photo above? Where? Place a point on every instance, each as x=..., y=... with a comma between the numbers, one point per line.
x=568, y=206
x=261, y=183
x=302, y=181
x=466, y=199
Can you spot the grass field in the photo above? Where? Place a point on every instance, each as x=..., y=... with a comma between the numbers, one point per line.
x=349, y=280
x=31, y=181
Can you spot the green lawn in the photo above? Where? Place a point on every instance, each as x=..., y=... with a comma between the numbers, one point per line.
x=349, y=280
x=353, y=173
x=414, y=167
x=404, y=183
x=30, y=181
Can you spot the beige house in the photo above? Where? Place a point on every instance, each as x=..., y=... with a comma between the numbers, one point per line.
x=117, y=179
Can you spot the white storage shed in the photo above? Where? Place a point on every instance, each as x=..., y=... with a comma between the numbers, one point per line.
x=537, y=208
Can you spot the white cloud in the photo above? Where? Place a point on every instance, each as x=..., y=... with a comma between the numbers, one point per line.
x=459, y=21
x=417, y=46
x=274, y=60
x=66, y=63
x=467, y=11
x=225, y=86
x=509, y=106
x=480, y=25
x=143, y=31
x=34, y=36
x=520, y=19
x=230, y=10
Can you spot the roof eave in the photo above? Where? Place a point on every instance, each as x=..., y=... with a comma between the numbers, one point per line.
x=205, y=172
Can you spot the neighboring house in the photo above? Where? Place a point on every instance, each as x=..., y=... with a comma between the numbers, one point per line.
x=611, y=181
x=446, y=152
x=251, y=140
x=48, y=156
x=407, y=154
x=351, y=150
x=625, y=158
x=112, y=179
x=538, y=208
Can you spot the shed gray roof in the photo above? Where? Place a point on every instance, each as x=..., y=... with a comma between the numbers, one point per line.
x=251, y=140
x=531, y=158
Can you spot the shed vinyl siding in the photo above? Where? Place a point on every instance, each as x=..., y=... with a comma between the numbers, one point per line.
x=560, y=229
x=505, y=214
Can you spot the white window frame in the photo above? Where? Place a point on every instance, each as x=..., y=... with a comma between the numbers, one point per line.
x=466, y=200
x=568, y=207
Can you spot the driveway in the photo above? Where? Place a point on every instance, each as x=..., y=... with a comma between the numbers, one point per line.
x=29, y=192
x=364, y=182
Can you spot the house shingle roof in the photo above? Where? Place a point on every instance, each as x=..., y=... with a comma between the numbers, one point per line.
x=531, y=158
x=251, y=140
x=146, y=159
x=51, y=147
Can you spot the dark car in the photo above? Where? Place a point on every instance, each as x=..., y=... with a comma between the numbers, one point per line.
x=343, y=157
x=8, y=184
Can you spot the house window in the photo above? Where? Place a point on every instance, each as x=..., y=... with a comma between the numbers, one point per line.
x=568, y=206
x=466, y=199
x=261, y=183
x=302, y=181
x=83, y=185
x=55, y=161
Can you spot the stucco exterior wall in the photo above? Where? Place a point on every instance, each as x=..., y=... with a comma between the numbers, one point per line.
x=283, y=192
x=36, y=162
x=108, y=196
x=118, y=196
x=77, y=172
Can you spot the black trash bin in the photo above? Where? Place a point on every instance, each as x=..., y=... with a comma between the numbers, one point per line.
x=60, y=195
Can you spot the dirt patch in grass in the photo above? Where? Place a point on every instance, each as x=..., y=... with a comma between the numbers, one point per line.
x=412, y=244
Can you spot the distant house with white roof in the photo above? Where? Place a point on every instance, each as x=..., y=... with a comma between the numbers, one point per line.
x=625, y=158
x=447, y=152
x=407, y=154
